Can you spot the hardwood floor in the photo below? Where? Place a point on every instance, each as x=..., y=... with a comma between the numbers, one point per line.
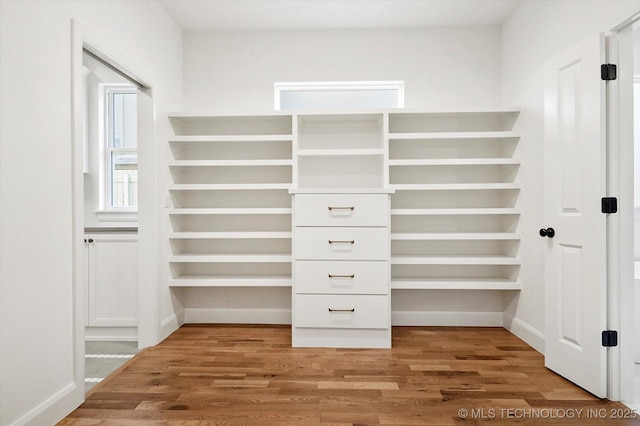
x=250, y=375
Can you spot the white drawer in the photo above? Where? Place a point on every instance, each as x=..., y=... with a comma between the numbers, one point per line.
x=335, y=277
x=335, y=311
x=341, y=210
x=341, y=243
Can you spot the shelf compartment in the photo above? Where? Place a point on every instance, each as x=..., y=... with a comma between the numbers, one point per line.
x=341, y=153
x=340, y=131
x=241, y=200
x=238, y=126
x=230, y=211
x=457, y=199
x=244, y=148
x=464, y=121
x=455, y=186
x=231, y=246
x=469, y=174
x=229, y=235
x=227, y=187
x=458, y=247
x=458, y=224
x=456, y=162
x=232, y=175
x=469, y=136
x=435, y=146
x=230, y=258
x=230, y=222
x=455, y=284
x=455, y=212
x=340, y=172
x=230, y=281
x=229, y=163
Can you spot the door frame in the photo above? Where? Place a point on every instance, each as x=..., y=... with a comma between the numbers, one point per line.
x=620, y=176
x=81, y=39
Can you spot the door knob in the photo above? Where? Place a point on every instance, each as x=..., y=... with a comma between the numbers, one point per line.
x=549, y=232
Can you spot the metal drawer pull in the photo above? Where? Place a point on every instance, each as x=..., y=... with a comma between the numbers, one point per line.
x=342, y=276
x=342, y=208
x=342, y=241
x=342, y=310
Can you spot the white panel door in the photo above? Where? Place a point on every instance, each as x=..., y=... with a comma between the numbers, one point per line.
x=113, y=279
x=575, y=181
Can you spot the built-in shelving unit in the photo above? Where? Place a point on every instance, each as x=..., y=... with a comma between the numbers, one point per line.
x=454, y=213
x=231, y=213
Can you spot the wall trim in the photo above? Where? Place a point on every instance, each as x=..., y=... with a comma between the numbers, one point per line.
x=446, y=319
x=237, y=316
x=115, y=334
x=171, y=324
x=52, y=409
x=531, y=336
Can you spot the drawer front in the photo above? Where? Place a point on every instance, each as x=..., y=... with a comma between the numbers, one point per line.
x=336, y=311
x=341, y=210
x=334, y=277
x=341, y=243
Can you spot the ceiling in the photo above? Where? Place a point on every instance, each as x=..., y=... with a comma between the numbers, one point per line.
x=234, y=15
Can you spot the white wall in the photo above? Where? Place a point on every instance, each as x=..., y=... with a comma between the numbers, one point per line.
x=535, y=32
x=234, y=72
x=36, y=269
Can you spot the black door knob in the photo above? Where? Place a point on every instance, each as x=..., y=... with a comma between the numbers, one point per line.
x=549, y=232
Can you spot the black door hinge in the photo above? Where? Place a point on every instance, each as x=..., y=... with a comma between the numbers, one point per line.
x=609, y=338
x=608, y=72
x=609, y=205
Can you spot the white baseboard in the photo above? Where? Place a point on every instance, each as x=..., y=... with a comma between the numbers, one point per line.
x=171, y=324
x=237, y=316
x=524, y=331
x=54, y=408
x=112, y=334
x=451, y=319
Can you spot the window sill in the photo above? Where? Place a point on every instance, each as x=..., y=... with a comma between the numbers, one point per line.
x=117, y=215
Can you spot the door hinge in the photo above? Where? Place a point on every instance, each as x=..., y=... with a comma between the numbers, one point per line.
x=609, y=338
x=608, y=72
x=609, y=205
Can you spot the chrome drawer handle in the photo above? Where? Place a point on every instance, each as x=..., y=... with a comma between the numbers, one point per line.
x=342, y=241
x=342, y=208
x=342, y=310
x=342, y=276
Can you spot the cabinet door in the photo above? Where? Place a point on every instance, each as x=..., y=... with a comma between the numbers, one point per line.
x=113, y=279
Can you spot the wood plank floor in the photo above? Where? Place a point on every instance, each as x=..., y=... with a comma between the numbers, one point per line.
x=250, y=375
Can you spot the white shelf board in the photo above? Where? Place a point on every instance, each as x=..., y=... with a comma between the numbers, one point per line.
x=373, y=152
x=229, y=163
x=505, y=135
x=341, y=191
x=454, y=284
x=230, y=258
x=226, y=186
x=456, y=162
x=204, y=281
x=229, y=138
x=229, y=235
x=452, y=212
x=454, y=186
x=452, y=236
x=229, y=211
x=454, y=260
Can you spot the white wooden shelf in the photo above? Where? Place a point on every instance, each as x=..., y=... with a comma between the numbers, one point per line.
x=230, y=163
x=456, y=162
x=228, y=138
x=230, y=211
x=340, y=152
x=453, y=236
x=455, y=284
x=230, y=258
x=505, y=135
x=454, y=260
x=204, y=281
x=455, y=186
x=229, y=235
x=227, y=186
x=454, y=212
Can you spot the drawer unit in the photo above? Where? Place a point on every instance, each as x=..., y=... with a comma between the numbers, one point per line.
x=339, y=311
x=335, y=277
x=341, y=243
x=342, y=210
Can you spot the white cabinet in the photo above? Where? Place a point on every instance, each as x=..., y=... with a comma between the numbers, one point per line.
x=112, y=268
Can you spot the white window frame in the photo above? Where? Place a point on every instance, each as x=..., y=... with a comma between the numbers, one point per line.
x=106, y=178
x=281, y=87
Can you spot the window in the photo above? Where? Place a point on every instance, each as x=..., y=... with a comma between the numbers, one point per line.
x=339, y=95
x=120, y=153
